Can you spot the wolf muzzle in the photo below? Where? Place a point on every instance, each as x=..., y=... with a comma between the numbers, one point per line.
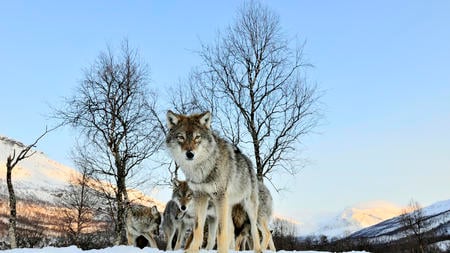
x=189, y=155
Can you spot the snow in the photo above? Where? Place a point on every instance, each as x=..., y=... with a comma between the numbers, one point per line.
x=437, y=208
x=118, y=249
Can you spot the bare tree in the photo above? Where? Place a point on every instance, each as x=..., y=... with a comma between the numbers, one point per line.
x=116, y=114
x=415, y=224
x=284, y=234
x=11, y=162
x=79, y=201
x=198, y=94
x=253, y=81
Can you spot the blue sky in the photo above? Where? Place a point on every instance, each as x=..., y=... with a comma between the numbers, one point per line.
x=383, y=67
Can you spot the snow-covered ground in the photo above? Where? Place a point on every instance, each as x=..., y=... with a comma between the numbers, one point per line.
x=116, y=249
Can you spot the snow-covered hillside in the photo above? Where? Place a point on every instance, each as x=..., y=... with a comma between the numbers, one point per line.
x=357, y=217
x=40, y=178
x=435, y=216
x=36, y=177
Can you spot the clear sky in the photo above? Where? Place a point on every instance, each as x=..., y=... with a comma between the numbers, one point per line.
x=383, y=67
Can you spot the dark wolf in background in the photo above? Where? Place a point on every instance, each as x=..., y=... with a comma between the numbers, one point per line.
x=142, y=221
x=242, y=224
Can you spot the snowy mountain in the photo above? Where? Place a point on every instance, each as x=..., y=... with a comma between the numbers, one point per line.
x=36, y=178
x=40, y=178
x=436, y=218
x=357, y=217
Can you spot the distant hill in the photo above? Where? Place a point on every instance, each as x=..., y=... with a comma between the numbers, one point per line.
x=357, y=217
x=436, y=217
x=392, y=235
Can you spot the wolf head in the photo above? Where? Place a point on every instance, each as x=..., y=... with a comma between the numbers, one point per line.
x=145, y=219
x=190, y=139
x=183, y=196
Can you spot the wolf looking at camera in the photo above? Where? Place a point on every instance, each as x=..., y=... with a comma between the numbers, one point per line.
x=179, y=217
x=216, y=171
x=142, y=221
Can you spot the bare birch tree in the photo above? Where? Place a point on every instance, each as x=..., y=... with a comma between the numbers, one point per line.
x=415, y=223
x=11, y=163
x=115, y=112
x=79, y=201
x=253, y=81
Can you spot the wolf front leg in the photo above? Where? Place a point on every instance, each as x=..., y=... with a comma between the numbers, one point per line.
x=169, y=234
x=130, y=239
x=152, y=241
x=201, y=204
x=222, y=209
x=212, y=233
x=181, y=234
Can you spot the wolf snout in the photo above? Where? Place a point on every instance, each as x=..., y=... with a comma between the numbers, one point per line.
x=183, y=208
x=189, y=155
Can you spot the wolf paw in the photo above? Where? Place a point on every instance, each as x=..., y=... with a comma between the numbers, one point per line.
x=258, y=250
x=192, y=251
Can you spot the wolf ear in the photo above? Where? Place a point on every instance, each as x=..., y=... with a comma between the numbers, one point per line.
x=154, y=210
x=176, y=183
x=205, y=119
x=172, y=119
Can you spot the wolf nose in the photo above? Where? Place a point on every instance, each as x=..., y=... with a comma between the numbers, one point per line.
x=183, y=208
x=189, y=155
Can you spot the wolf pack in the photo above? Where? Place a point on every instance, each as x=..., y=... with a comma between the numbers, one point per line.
x=220, y=193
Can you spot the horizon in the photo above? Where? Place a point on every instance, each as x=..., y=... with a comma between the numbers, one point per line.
x=383, y=69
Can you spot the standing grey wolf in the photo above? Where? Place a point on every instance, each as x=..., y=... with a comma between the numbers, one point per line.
x=216, y=172
x=142, y=221
x=179, y=217
x=242, y=224
x=179, y=214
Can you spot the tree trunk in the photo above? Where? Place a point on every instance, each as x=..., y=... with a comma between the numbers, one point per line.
x=121, y=210
x=12, y=208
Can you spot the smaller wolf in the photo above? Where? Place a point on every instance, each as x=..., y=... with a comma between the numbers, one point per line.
x=143, y=221
x=178, y=216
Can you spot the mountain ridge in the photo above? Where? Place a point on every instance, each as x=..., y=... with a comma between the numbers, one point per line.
x=356, y=217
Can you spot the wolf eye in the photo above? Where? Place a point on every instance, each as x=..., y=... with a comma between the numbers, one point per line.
x=198, y=138
x=180, y=138
x=189, y=196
